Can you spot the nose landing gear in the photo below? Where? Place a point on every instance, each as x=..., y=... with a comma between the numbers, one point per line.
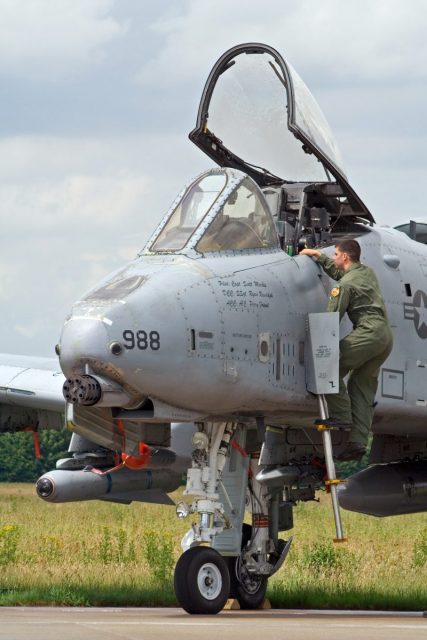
x=240, y=558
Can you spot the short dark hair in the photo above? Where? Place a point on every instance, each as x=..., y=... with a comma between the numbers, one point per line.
x=350, y=247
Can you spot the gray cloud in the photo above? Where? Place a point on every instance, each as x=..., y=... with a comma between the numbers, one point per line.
x=50, y=41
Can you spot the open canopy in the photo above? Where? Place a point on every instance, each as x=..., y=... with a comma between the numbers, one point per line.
x=257, y=115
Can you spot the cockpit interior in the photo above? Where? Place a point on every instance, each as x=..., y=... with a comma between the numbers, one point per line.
x=231, y=218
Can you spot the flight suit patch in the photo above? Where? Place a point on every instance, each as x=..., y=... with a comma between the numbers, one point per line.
x=335, y=292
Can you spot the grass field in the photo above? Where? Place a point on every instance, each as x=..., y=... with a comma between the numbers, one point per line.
x=97, y=553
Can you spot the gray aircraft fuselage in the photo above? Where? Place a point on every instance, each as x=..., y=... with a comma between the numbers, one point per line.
x=207, y=320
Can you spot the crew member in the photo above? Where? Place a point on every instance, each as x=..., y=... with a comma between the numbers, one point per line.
x=364, y=350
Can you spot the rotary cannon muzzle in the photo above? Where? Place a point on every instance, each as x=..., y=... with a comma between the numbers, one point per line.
x=88, y=390
x=83, y=389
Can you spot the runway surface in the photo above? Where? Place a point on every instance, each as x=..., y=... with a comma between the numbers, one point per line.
x=58, y=623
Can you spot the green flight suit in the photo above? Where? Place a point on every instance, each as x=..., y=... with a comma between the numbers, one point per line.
x=364, y=350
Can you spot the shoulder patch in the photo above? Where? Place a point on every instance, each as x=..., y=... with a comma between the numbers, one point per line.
x=335, y=292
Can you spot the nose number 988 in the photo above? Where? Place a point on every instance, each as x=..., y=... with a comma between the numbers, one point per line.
x=141, y=340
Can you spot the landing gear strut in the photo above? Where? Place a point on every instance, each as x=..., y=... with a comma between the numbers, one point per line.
x=239, y=560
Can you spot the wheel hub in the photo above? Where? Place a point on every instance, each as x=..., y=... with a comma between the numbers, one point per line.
x=209, y=581
x=249, y=581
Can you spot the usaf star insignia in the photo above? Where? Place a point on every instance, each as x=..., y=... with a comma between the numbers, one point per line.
x=335, y=292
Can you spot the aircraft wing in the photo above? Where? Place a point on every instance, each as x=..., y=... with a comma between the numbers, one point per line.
x=30, y=393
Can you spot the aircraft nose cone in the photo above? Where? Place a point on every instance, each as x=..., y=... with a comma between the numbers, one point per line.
x=83, y=341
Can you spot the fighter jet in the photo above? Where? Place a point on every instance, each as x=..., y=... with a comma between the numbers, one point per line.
x=219, y=324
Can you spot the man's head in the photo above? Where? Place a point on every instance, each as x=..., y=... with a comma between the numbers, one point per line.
x=347, y=252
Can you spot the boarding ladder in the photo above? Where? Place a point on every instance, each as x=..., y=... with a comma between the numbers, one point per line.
x=322, y=371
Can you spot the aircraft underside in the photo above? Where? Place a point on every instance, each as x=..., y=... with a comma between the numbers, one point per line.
x=233, y=469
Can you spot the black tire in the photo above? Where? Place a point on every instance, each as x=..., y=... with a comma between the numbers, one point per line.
x=251, y=589
x=249, y=593
x=201, y=581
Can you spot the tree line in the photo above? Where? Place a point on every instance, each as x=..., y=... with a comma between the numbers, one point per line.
x=18, y=461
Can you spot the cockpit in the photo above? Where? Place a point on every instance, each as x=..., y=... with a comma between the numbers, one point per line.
x=280, y=182
x=222, y=210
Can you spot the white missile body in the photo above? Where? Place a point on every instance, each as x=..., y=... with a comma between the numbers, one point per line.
x=125, y=485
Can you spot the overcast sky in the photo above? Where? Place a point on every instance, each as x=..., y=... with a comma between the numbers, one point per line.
x=97, y=98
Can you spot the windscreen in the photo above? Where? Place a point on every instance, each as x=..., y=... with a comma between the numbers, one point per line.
x=186, y=217
x=243, y=222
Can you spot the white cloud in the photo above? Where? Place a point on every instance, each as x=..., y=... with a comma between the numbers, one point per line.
x=80, y=200
x=50, y=39
x=88, y=185
x=350, y=41
x=75, y=208
x=6, y=291
x=30, y=329
x=71, y=213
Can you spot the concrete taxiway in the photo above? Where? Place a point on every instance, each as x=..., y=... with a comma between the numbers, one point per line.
x=57, y=623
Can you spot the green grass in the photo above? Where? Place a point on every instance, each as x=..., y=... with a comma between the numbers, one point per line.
x=102, y=554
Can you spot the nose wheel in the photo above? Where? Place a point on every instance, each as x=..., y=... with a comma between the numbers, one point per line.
x=201, y=581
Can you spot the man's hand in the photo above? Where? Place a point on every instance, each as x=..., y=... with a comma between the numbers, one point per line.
x=313, y=253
